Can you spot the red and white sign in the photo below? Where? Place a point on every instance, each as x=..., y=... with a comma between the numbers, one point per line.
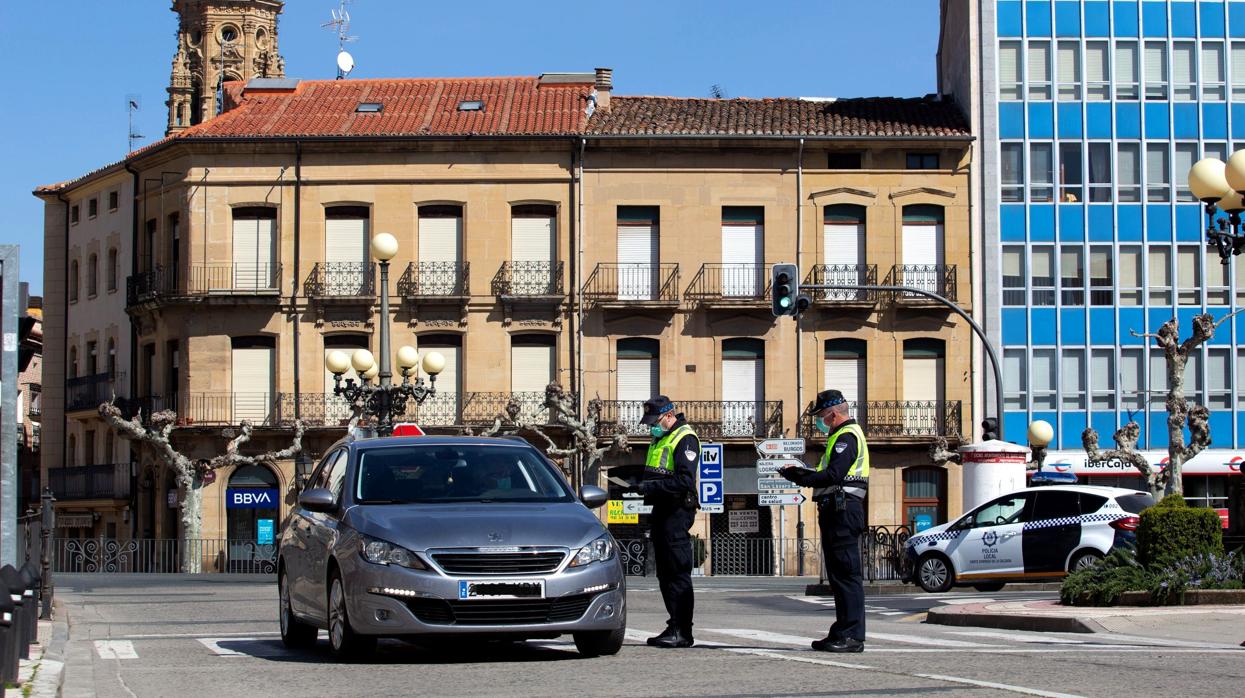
x=1204, y=463
x=1223, y=516
x=407, y=429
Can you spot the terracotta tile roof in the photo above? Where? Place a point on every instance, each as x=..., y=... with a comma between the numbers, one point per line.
x=411, y=107
x=869, y=117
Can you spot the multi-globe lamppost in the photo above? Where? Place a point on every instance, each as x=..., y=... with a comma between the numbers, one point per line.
x=384, y=401
x=1219, y=186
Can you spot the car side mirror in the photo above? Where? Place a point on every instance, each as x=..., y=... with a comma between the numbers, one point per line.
x=317, y=499
x=592, y=496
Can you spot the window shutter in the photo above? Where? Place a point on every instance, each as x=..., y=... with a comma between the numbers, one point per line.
x=345, y=240
x=1044, y=370
x=844, y=243
x=741, y=253
x=637, y=379
x=1013, y=371
x=532, y=240
x=252, y=384
x=1068, y=62
x=848, y=377
x=1039, y=62
x=921, y=378
x=1156, y=165
x=1160, y=266
x=1238, y=63
x=1096, y=61
x=637, y=260
x=1009, y=64
x=1013, y=263
x=531, y=368
x=1126, y=63
x=1182, y=63
x=440, y=239
x=1156, y=62
x=442, y=408
x=1126, y=164
x=1212, y=62
x=922, y=244
x=1102, y=370
x=253, y=241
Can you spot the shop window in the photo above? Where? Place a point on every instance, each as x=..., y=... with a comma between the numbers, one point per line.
x=924, y=499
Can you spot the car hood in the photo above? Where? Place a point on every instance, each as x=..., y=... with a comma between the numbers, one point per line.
x=420, y=527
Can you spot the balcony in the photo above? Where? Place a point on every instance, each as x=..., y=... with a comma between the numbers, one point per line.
x=632, y=286
x=903, y=420
x=534, y=285
x=205, y=282
x=88, y=392
x=433, y=281
x=441, y=411
x=212, y=409
x=34, y=396
x=712, y=419
x=935, y=278
x=341, y=281
x=843, y=275
x=104, y=481
x=730, y=286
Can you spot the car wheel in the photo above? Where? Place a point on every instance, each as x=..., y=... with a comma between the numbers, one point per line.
x=989, y=586
x=344, y=641
x=934, y=574
x=295, y=634
x=600, y=642
x=1084, y=560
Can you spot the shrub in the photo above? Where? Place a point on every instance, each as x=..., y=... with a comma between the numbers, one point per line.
x=1102, y=584
x=1199, y=571
x=1171, y=530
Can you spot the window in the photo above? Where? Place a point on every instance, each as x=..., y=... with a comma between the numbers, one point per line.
x=73, y=362
x=1156, y=70
x=1042, y=274
x=1206, y=491
x=1002, y=511
x=1072, y=275
x=73, y=214
x=1097, y=84
x=1071, y=176
x=1238, y=70
x=1058, y=504
x=1184, y=73
x=1126, y=70
x=1238, y=271
x=1188, y=274
x=1186, y=155
x=92, y=208
x=1010, y=77
x=1013, y=275
x=1160, y=283
x=1043, y=393
x=1039, y=70
x=1240, y=371
x=1158, y=173
x=1216, y=150
x=1100, y=172
x=923, y=497
x=113, y=198
x=1072, y=379
x=1041, y=172
x=1068, y=63
x=1012, y=164
x=112, y=358
x=1101, y=367
x=112, y=269
x=1212, y=71
x=1128, y=171
x=1158, y=379
x=1015, y=387
x=844, y=160
x=73, y=281
x=1129, y=264
x=921, y=161
x=1216, y=279
x=1132, y=362
x=1100, y=282
x=92, y=359
x=92, y=275
x=1219, y=378
x=1194, y=386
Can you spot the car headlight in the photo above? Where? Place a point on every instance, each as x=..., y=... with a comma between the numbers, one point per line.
x=598, y=550
x=379, y=552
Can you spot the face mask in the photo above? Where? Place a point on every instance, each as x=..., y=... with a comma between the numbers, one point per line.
x=656, y=431
x=822, y=426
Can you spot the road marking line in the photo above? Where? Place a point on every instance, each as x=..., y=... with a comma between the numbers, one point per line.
x=763, y=636
x=918, y=640
x=194, y=636
x=1000, y=686
x=894, y=613
x=818, y=600
x=1018, y=637
x=1101, y=649
x=213, y=645
x=115, y=649
x=961, y=602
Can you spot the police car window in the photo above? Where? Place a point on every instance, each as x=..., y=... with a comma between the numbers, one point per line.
x=1135, y=503
x=1056, y=504
x=1005, y=510
x=1091, y=502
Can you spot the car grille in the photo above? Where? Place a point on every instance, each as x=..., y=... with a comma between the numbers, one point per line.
x=501, y=611
x=531, y=562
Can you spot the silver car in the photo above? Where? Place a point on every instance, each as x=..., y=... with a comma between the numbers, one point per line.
x=426, y=537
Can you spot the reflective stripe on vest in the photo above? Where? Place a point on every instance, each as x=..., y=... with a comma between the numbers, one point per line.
x=859, y=472
x=659, y=452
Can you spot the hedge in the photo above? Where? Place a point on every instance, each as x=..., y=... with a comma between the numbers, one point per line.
x=1171, y=530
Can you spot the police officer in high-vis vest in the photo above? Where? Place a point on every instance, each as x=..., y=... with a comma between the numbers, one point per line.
x=669, y=486
x=840, y=484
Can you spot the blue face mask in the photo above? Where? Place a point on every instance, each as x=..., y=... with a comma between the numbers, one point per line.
x=656, y=431
x=821, y=425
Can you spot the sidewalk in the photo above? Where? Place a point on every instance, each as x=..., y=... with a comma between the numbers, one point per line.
x=40, y=676
x=1198, y=624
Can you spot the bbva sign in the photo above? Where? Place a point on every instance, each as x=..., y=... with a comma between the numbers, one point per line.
x=251, y=499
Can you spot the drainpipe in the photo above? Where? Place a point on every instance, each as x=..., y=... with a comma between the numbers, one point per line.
x=799, y=339
x=298, y=208
x=579, y=306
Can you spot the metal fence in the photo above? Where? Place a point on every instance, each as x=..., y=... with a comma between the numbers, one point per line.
x=435, y=280
x=112, y=556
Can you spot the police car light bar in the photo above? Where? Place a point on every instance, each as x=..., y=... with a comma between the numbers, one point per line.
x=1049, y=477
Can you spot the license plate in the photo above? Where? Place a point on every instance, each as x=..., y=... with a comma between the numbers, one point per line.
x=501, y=589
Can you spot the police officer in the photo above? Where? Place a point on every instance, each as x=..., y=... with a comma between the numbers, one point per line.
x=669, y=486
x=840, y=484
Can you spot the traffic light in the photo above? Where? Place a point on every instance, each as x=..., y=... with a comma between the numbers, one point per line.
x=785, y=285
x=989, y=429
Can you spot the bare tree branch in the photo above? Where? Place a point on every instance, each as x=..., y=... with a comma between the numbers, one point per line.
x=1125, y=451
x=1229, y=316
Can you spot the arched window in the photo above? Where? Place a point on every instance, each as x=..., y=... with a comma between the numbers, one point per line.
x=743, y=385
x=92, y=275
x=440, y=251
x=254, y=247
x=846, y=368
x=112, y=269
x=637, y=379
x=924, y=386
x=347, y=269
x=924, y=497
x=259, y=489
x=533, y=234
x=73, y=281
x=252, y=374
x=923, y=263
x=843, y=251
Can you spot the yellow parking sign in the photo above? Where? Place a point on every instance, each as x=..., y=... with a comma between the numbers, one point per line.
x=616, y=515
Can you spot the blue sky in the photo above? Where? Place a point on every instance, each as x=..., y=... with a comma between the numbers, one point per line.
x=71, y=63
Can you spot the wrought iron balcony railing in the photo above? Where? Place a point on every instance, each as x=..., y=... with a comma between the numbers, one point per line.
x=103, y=481
x=632, y=283
x=844, y=275
x=228, y=279
x=935, y=278
x=712, y=419
x=729, y=283
x=444, y=409
x=912, y=419
x=87, y=392
x=435, y=280
x=528, y=279
x=341, y=280
x=210, y=409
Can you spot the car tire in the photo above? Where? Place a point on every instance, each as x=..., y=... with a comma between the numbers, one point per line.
x=600, y=642
x=347, y=645
x=989, y=586
x=1084, y=560
x=934, y=573
x=295, y=634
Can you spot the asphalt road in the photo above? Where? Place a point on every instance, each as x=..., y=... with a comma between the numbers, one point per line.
x=217, y=635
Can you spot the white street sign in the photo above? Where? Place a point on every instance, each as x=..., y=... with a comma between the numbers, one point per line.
x=713, y=508
x=780, y=500
x=775, y=483
x=773, y=465
x=636, y=506
x=781, y=447
x=744, y=521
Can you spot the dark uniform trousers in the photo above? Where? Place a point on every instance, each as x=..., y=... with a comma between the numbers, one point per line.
x=672, y=548
x=840, y=544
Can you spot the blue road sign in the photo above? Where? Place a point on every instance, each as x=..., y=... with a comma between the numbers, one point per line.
x=711, y=492
x=264, y=532
x=710, y=476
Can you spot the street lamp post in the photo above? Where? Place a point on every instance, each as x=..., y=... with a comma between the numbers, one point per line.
x=1219, y=186
x=384, y=401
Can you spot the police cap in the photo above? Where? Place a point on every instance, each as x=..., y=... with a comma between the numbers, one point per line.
x=826, y=399
x=655, y=408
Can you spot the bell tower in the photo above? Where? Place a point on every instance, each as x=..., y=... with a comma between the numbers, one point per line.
x=229, y=39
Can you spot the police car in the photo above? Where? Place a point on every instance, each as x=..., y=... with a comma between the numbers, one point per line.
x=1033, y=534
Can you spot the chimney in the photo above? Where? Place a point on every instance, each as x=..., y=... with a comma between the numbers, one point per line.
x=603, y=84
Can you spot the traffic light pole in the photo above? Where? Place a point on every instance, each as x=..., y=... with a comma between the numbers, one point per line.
x=994, y=358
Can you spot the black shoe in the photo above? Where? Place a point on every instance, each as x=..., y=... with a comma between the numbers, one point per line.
x=823, y=644
x=678, y=639
x=843, y=644
x=665, y=635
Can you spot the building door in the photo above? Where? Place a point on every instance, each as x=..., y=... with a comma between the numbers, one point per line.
x=531, y=246
x=743, y=235
x=845, y=370
x=843, y=241
x=252, y=380
x=531, y=370
x=637, y=380
x=440, y=250
x=252, y=512
x=923, y=247
x=637, y=252
x=924, y=387
x=253, y=255
x=743, y=386
x=443, y=408
x=345, y=251
x=337, y=409
x=924, y=497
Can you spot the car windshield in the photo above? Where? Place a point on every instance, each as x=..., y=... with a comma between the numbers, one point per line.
x=448, y=473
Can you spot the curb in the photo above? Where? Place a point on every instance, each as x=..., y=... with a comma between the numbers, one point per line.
x=953, y=615
x=897, y=588
x=47, y=682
